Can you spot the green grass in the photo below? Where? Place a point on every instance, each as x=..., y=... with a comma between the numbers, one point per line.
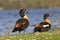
x=54, y=35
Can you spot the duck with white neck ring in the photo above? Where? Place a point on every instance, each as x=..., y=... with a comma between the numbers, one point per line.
x=22, y=23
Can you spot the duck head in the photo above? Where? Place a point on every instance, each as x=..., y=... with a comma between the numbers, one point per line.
x=46, y=19
x=46, y=16
x=22, y=12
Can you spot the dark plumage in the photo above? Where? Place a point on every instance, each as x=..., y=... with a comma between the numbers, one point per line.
x=43, y=26
x=22, y=23
x=40, y=27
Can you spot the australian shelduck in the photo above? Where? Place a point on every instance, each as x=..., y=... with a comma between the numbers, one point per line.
x=21, y=23
x=43, y=26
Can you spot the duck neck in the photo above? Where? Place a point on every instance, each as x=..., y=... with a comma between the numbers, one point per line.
x=47, y=20
x=26, y=17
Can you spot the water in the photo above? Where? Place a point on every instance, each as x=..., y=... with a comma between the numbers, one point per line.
x=9, y=17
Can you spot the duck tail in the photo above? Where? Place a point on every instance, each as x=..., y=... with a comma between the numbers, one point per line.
x=14, y=30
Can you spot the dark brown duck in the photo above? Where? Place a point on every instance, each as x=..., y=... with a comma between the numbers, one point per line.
x=43, y=26
x=22, y=23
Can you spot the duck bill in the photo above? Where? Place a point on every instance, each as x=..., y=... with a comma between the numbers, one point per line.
x=27, y=12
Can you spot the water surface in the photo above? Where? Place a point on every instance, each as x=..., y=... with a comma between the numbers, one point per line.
x=9, y=17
